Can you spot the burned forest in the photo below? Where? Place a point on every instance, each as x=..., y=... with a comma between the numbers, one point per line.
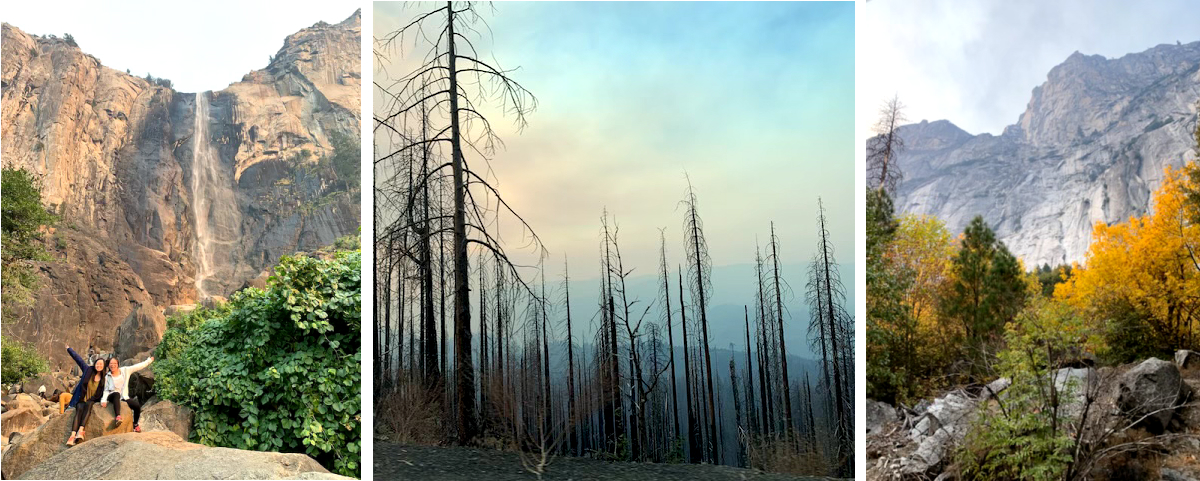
x=476, y=345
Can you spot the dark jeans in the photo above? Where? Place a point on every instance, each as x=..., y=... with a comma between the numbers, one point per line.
x=83, y=411
x=134, y=405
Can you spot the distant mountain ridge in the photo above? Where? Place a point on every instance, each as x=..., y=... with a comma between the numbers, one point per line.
x=1090, y=147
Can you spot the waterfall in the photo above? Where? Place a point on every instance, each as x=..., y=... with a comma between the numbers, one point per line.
x=214, y=206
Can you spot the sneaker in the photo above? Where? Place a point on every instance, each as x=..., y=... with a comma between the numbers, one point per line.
x=137, y=428
x=118, y=418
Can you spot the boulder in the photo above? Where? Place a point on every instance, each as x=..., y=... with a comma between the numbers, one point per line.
x=167, y=456
x=167, y=416
x=43, y=384
x=24, y=401
x=996, y=387
x=1075, y=385
x=140, y=332
x=21, y=420
x=938, y=432
x=35, y=447
x=879, y=414
x=1186, y=359
x=141, y=385
x=1151, y=390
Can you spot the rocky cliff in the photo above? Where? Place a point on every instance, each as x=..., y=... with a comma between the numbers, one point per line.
x=144, y=177
x=1090, y=147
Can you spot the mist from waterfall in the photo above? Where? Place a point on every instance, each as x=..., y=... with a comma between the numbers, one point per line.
x=214, y=206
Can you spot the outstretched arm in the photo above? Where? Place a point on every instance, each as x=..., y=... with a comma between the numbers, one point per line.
x=78, y=360
x=141, y=365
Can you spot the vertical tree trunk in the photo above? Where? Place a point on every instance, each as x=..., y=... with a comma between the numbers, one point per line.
x=671, y=341
x=572, y=413
x=693, y=428
x=464, y=371
x=751, y=416
x=787, y=395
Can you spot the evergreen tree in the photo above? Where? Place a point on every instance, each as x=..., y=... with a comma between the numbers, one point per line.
x=987, y=290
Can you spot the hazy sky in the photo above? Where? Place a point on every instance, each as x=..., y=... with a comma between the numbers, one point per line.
x=976, y=63
x=753, y=100
x=197, y=45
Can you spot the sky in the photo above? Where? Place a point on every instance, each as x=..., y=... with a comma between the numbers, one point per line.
x=753, y=101
x=199, y=46
x=976, y=63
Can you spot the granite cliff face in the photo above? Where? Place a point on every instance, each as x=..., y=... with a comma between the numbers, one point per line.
x=1090, y=147
x=118, y=159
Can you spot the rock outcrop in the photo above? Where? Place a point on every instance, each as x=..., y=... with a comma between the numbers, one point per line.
x=1091, y=147
x=35, y=447
x=164, y=455
x=167, y=416
x=1151, y=392
x=115, y=155
x=140, y=332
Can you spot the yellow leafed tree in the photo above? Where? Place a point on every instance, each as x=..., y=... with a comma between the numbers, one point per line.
x=1150, y=265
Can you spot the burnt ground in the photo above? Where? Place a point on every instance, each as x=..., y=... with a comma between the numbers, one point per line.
x=436, y=463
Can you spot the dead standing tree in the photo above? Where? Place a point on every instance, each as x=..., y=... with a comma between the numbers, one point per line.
x=700, y=283
x=885, y=146
x=439, y=89
x=833, y=327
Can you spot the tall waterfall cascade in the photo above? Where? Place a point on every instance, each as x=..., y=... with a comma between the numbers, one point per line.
x=214, y=206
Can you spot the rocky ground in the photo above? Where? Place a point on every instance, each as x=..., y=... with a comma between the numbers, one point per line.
x=436, y=463
x=1134, y=402
x=35, y=429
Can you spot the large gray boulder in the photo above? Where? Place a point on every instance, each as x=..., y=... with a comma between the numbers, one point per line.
x=164, y=455
x=1074, y=386
x=140, y=332
x=1186, y=359
x=1150, y=393
x=879, y=414
x=938, y=432
x=168, y=416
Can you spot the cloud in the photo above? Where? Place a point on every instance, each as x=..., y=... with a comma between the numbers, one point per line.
x=976, y=63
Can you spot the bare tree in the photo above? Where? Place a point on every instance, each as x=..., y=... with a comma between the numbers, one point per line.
x=834, y=333
x=700, y=284
x=885, y=146
x=439, y=89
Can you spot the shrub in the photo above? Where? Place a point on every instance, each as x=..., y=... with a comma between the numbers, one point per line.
x=21, y=221
x=19, y=360
x=1028, y=435
x=277, y=369
x=70, y=40
x=346, y=158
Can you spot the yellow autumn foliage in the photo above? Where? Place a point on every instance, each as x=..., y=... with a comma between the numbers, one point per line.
x=1151, y=263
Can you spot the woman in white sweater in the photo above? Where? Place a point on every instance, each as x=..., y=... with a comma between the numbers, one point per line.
x=116, y=389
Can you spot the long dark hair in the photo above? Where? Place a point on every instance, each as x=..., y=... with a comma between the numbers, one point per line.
x=108, y=361
x=103, y=367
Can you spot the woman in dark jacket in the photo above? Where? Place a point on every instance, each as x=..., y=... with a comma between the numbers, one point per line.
x=86, y=394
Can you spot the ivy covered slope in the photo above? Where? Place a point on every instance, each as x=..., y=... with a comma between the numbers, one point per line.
x=275, y=369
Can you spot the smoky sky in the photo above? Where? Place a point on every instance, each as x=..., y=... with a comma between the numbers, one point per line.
x=751, y=101
x=976, y=63
x=199, y=46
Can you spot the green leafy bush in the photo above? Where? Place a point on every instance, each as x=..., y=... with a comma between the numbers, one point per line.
x=20, y=360
x=1028, y=434
x=276, y=369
